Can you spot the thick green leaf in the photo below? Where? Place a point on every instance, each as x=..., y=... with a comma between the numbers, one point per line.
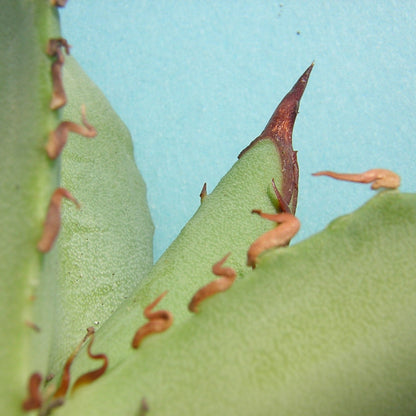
x=324, y=327
x=105, y=248
x=28, y=178
x=222, y=224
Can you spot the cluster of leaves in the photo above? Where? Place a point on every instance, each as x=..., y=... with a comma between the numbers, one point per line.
x=324, y=327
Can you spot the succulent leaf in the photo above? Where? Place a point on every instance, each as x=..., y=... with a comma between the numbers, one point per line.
x=223, y=223
x=105, y=248
x=323, y=327
x=28, y=179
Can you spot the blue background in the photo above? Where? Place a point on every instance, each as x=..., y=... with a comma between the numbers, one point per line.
x=196, y=81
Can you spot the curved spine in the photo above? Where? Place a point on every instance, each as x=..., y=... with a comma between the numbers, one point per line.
x=159, y=321
x=228, y=276
x=380, y=178
x=288, y=226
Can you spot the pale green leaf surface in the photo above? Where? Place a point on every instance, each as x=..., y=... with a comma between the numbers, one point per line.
x=222, y=224
x=27, y=179
x=105, y=248
x=325, y=327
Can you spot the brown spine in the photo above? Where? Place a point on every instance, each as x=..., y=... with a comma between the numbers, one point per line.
x=279, y=130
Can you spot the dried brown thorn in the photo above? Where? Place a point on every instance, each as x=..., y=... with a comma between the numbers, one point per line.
x=279, y=131
x=58, y=93
x=144, y=407
x=32, y=325
x=54, y=46
x=227, y=278
x=59, y=3
x=282, y=203
x=59, y=137
x=380, y=178
x=159, y=321
x=66, y=374
x=277, y=237
x=47, y=409
x=89, y=377
x=203, y=193
x=34, y=400
x=49, y=377
x=53, y=219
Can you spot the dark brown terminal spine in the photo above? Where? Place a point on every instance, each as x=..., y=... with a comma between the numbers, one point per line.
x=279, y=130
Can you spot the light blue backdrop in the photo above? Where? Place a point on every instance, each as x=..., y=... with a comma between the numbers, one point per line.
x=196, y=81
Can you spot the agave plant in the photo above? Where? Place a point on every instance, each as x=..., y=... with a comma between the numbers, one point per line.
x=90, y=326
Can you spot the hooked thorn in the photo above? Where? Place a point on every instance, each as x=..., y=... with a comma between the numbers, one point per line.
x=90, y=376
x=59, y=137
x=228, y=276
x=34, y=401
x=159, y=321
x=380, y=178
x=53, y=219
x=277, y=237
x=58, y=93
x=66, y=375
